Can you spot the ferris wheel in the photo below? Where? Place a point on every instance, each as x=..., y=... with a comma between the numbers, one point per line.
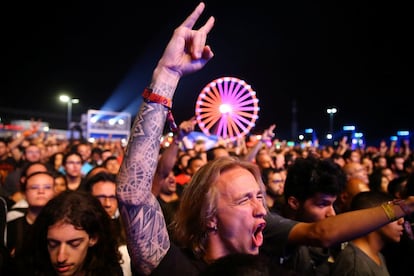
x=227, y=107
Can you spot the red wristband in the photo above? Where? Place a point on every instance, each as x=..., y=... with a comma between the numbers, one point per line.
x=155, y=98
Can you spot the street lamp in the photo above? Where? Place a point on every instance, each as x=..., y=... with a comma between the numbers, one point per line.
x=69, y=101
x=331, y=112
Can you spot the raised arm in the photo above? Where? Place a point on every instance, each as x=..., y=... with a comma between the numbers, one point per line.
x=349, y=225
x=147, y=235
x=169, y=157
x=266, y=136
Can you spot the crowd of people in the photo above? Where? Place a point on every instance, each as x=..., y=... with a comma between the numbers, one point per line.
x=75, y=207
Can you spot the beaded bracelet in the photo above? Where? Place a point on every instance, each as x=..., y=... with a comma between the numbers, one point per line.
x=389, y=210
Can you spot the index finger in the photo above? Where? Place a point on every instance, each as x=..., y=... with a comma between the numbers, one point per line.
x=190, y=21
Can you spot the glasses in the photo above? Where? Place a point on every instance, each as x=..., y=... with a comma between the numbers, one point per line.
x=39, y=187
x=105, y=197
x=74, y=163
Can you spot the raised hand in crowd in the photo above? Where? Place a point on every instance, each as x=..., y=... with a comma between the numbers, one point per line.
x=148, y=239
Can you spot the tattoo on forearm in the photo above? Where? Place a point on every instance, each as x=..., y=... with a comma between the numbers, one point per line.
x=148, y=239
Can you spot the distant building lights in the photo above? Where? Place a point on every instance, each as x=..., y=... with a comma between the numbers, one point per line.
x=309, y=130
x=348, y=128
x=403, y=133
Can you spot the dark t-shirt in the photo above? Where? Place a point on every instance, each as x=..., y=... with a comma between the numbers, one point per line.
x=17, y=231
x=303, y=260
x=168, y=209
x=276, y=235
x=179, y=262
x=353, y=261
x=308, y=260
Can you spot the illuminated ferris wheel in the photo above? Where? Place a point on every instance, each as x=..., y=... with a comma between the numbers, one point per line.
x=227, y=107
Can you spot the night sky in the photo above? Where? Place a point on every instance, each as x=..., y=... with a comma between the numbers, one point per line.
x=357, y=58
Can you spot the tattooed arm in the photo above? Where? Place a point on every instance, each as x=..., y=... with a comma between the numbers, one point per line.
x=147, y=234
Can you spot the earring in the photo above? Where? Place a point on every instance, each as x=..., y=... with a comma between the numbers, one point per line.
x=212, y=229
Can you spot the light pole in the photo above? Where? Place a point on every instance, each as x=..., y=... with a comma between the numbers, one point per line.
x=69, y=101
x=331, y=111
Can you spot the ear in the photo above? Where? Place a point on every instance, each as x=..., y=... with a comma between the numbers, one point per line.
x=293, y=203
x=212, y=224
x=343, y=196
x=92, y=241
